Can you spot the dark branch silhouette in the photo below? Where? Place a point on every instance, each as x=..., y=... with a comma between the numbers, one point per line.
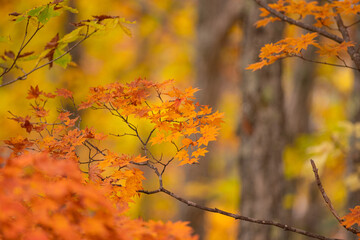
x=327, y=199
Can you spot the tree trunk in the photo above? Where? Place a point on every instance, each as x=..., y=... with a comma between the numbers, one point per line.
x=72, y=18
x=298, y=122
x=298, y=109
x=215, y=18
x=262, y=131
x=353, y=158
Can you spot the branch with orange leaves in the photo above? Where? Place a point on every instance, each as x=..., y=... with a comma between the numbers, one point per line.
x=355, y=56
x=325, y=63
x=299, y=23
x=240, y=217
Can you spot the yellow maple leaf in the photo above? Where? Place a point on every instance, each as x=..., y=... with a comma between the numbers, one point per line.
x=257, y=65
x=199, y=152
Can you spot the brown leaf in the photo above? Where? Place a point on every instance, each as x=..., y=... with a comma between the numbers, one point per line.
x=78, y=24
x=52, y=45
x=15, y=14
x=102, y=17
x=10, y=54
x=53, y=42
x=27, y=125
x=26, y=54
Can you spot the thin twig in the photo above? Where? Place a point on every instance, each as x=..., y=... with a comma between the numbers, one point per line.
x=285, y=227
x=352, y=24
x=22, y=46
x=325, y=63
x=327, y=199
x=346, y=36
x=23, y=77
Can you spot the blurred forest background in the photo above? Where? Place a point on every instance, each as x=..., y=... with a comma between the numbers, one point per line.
x=276, y=119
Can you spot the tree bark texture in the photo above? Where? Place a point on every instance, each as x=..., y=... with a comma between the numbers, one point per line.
x=298, y=122
x=353, y=158
x=262, y=131
x=298, y=109
x=72, y=18
x=215, y=18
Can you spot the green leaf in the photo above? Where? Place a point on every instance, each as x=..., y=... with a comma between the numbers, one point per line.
x=47, y=13
x=72, y=36
x=70, y=9
x=20, y=19
x=29, y=58
x=64, y=60
x=4, y=39
x=35, y=12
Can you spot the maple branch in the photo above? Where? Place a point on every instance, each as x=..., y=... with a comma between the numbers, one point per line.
x=23, y=77
x=355, y=56
x=325, y=63
x=134, y=128
x=148, y=138
x=95, y=147
x=285, y=227
x=300, y=24
x=353, y=24
x=327, y=199
x=122, y=135
x=23, y=45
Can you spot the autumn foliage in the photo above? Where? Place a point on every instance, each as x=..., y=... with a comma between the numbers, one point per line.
x=71, y=203
x=47, y=198
x=325, y=16
x=329, y=33
x=48, y=190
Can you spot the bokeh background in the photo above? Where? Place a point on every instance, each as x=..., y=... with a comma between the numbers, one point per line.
x=298, y=111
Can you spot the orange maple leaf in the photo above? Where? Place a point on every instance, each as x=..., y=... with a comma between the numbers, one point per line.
x=352, y=218
x=64, y=93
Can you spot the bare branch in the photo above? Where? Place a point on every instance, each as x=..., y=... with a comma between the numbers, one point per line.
x=353, y=24
x=325, y=63
x=327, y=199
x=23, y=45
x=285, y=227
x=344, y=32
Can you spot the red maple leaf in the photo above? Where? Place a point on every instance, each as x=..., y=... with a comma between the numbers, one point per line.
x=34, y=92
x=52, y=45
